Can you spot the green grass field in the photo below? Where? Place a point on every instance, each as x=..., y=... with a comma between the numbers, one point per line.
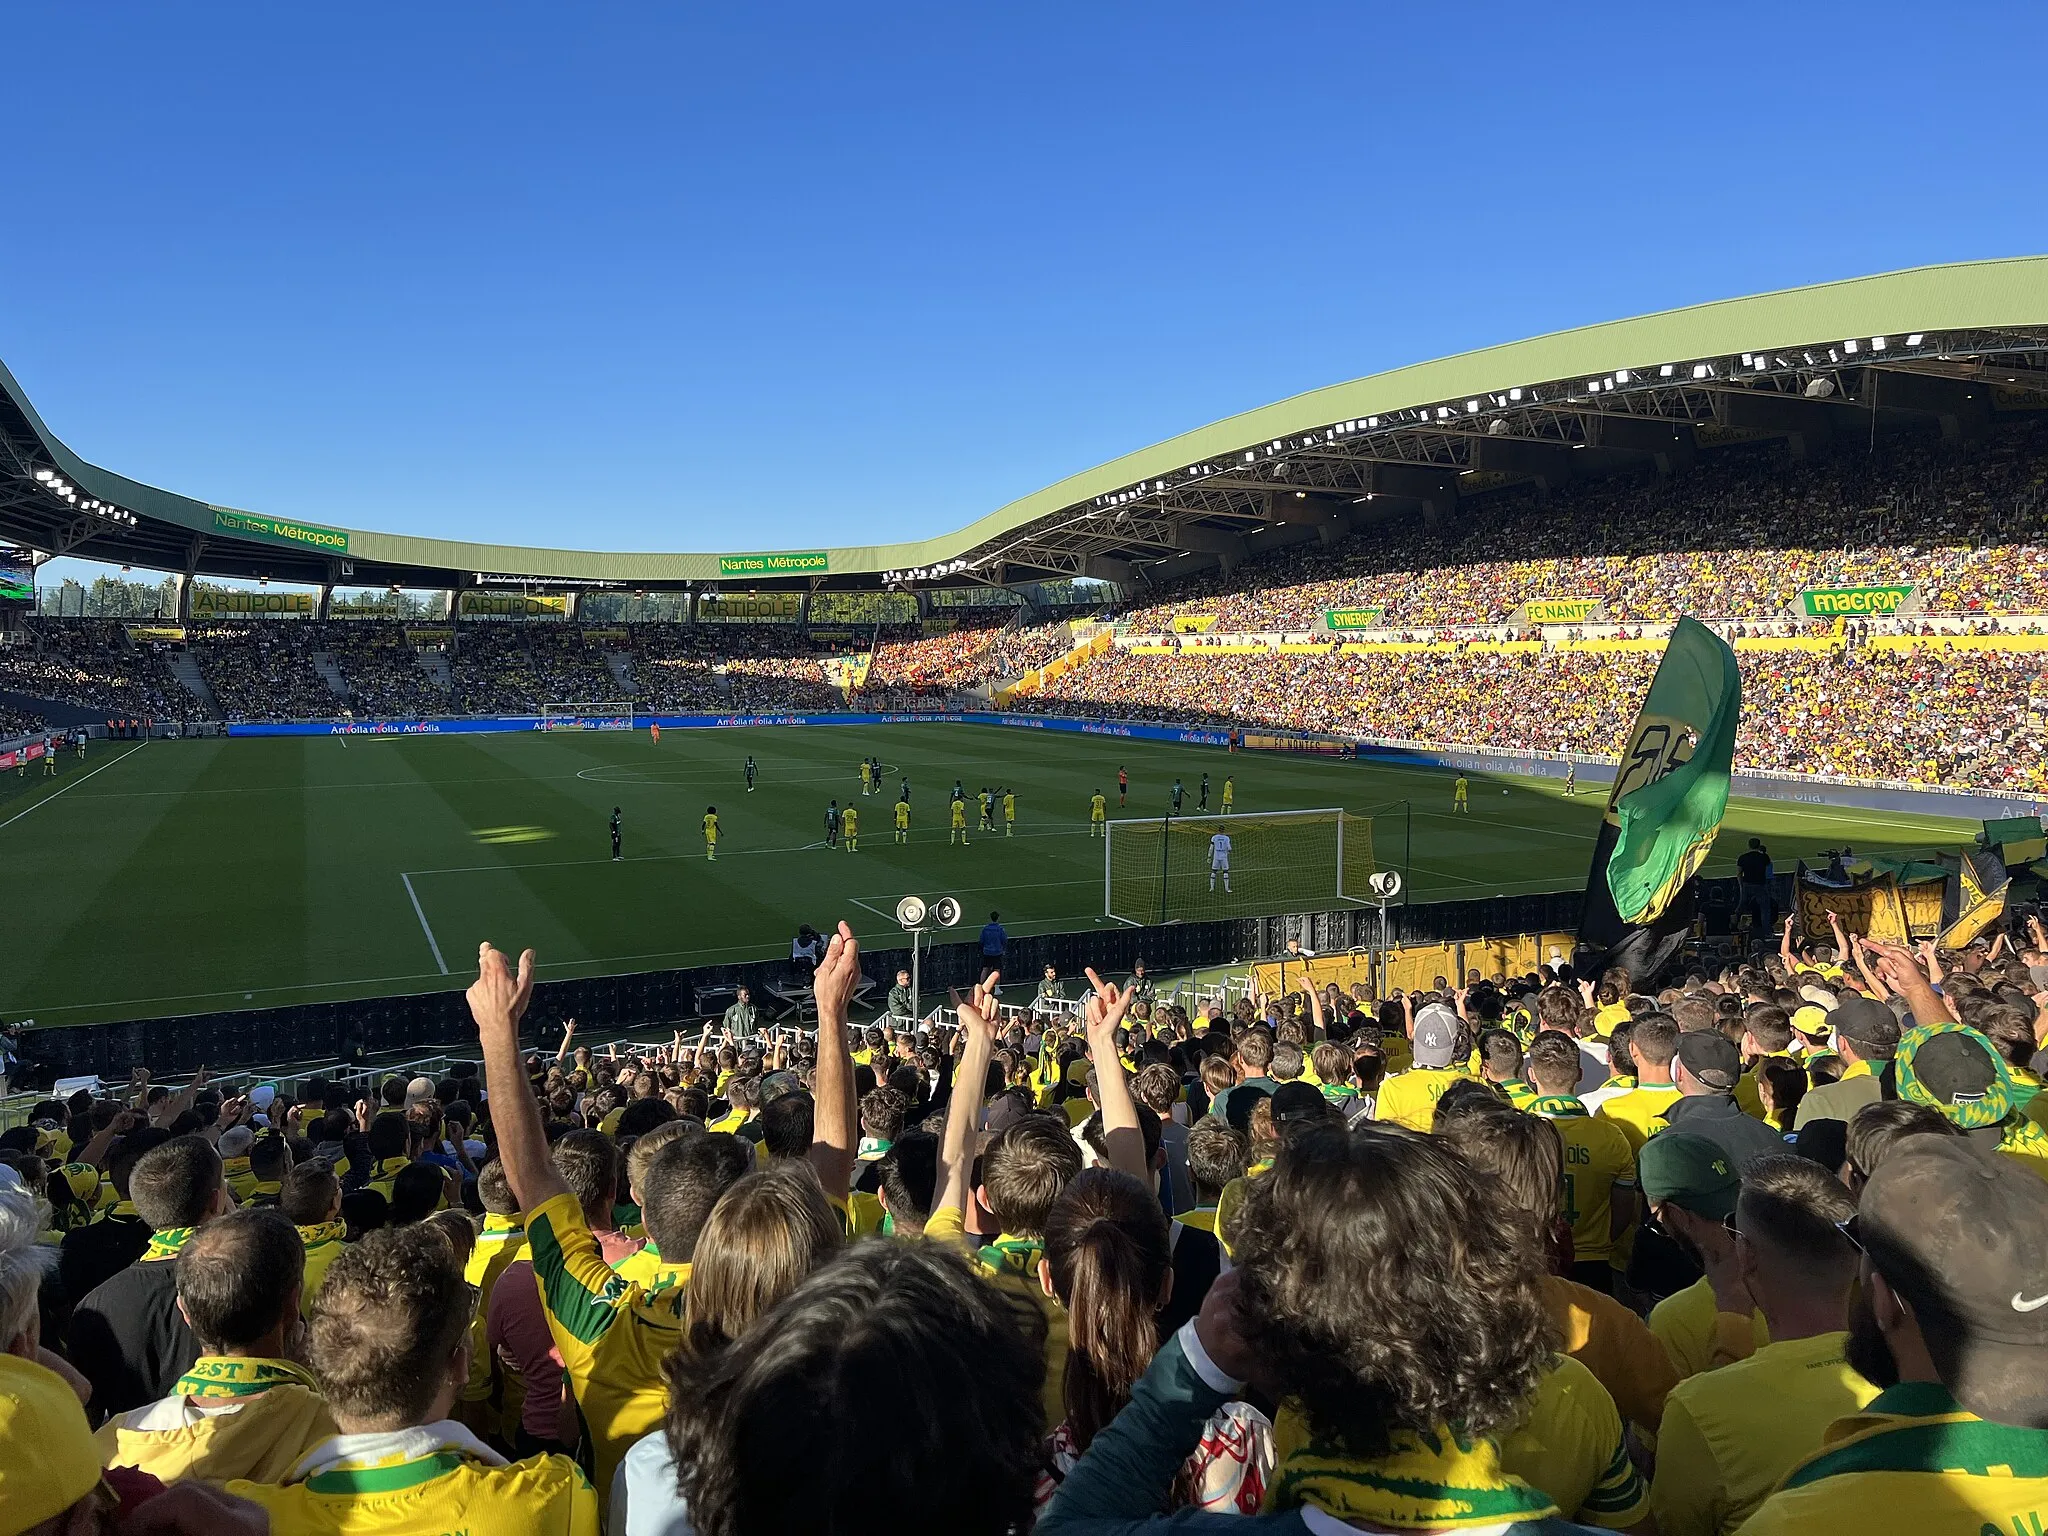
x=184, y=877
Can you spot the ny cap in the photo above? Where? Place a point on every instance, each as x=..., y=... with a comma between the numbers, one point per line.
x=1436, y=1036
x=1866, y=1022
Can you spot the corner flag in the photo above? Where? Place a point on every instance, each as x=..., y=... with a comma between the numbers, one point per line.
x=1669, y=795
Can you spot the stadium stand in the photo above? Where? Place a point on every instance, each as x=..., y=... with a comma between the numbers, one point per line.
x=690, y=1249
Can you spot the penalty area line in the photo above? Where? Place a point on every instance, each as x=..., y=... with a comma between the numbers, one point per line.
x=420, y=913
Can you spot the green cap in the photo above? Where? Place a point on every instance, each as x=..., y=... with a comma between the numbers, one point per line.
x=1689, y=1172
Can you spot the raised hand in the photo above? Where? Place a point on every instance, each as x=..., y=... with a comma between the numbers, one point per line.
x=978, y=1009
x=498, y=997
x=1104, y=1009
x=837, y=974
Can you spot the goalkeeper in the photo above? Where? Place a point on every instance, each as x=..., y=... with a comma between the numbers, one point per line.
x=1098, y=813
x=1219, y=860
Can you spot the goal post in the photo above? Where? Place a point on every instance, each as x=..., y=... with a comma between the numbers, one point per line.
x=588, y=715
x=1166, y=869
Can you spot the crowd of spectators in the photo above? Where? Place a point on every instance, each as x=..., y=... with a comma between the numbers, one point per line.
x=93, y=664
x=381, y=667
x=1928, y=716
x=264, y=670
x=1739, y=535
x=18, y=722
x=1692, y=1253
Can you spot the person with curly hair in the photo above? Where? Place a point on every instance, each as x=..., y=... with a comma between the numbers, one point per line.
x=1380, y=1294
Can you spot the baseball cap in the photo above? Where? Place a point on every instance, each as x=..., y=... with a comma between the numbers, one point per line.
x=418, y=1091
x=1820, y=997
x=1711, y=1057
x=1689, y=1172
x=1077, y=1071
x=1943, y=1218
x=1953, y=1068
x=778, y=1085
x=1436, y=1036
x=1243, y=1099
x=1004, y=1111
x=48, y=1460
x=1812, y=1020
x=236, y=1140
x=1298, y=1101
x=1866, y=1022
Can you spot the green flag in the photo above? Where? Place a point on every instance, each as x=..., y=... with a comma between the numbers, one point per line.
x=1672, y=786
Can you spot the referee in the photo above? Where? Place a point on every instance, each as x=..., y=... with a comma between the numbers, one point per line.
x=616, y=855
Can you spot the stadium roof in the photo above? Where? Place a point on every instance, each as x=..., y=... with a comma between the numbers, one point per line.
x=1947, y=345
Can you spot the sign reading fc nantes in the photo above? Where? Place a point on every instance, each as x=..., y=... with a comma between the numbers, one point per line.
x=1560, y=610
x=1856, y=602
x=811, y=564
x=249, y=525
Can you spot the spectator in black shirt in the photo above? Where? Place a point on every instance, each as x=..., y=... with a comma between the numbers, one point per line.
x=1753, y=887
x=127, y=1337
x=95, y=1253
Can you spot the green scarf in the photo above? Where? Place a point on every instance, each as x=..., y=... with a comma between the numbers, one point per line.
x=1557, y=1106
x=239, y=1376
x=323, y=1232
x=1018, y=1255
x=165, y=1244
x=1436, y=1480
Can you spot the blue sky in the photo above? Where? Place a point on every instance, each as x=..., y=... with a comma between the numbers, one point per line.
x=791, y=276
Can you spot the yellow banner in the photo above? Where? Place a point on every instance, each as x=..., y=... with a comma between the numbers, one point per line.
x=208, y=604
x=513, y=605
x=1560, y=610
x=142, y=634
x=1193, y=623
x=749, y=607
x=1998, y=642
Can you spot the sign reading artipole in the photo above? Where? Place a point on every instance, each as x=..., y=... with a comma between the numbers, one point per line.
x=210, y=604
x=1352, y=618
x=250, y=525
x=813, y=563
x=1832, y=602
x=513, y=605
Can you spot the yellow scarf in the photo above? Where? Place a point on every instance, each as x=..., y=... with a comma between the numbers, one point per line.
x=1429, y=1481
x=239, y=1376
x=165, y=1244
x=323, y=1232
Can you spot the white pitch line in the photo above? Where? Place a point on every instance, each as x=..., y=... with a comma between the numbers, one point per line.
x=74, y=783
x=886, y=916
x=424, y=928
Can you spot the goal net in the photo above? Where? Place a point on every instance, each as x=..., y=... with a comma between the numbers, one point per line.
x=1168, y=869
x=588, y=715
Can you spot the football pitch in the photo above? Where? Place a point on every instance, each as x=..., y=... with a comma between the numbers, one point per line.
x=185, y=877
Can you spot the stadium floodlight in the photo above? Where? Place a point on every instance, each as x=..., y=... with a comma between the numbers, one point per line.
x=1666, y=371
x=46, y=475
x=1819, y=389
x=1915, y=339
x=1703, y=370
x=1877, y=343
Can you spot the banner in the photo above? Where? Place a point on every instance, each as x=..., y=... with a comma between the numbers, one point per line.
x=812, y=563
x=749, y=607
x=622, y=638
x=863, y=608
x=208, y=603
x=1354, y=618
x=1827, y=602
x=249, y=525
x=1193, y=623
x=512, y=605
x=142, y=634
x=429, y=635
x=1559, y=610
x=1670, y=792
x=1265, y=741
x=973, y=597
x=1973, y=898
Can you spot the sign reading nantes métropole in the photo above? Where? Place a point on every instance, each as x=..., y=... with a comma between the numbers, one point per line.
x=280, y=531
x=1831, y=602
x=811, y=564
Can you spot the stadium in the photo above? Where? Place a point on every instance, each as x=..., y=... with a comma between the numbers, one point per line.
x=302, y=805
x=1457, y=954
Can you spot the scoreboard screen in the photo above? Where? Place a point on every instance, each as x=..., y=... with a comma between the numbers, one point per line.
x=17, y=576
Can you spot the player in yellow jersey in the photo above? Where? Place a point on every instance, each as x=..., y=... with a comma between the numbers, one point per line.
x=1098, y=813
x=867, y=776
x=959, y=832
x=849, y=830
x=1229, y=795
x=1460, y=796
x=711, y=833
x=902, y=821
x=1009, y=813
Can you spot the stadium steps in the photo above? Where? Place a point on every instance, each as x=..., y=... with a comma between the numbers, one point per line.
x=330, y=674
x=435, y=664
x=185, y=668
x=620, y=664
